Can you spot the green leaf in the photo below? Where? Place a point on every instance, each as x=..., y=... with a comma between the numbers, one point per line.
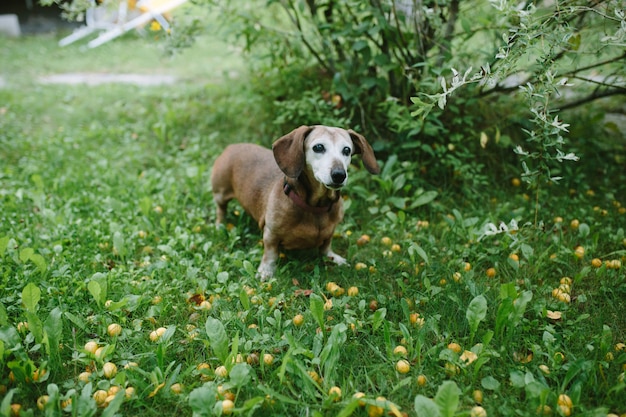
x=425, y=407
x=240, y=375
x=217, y=337
x=490, y=383
x=416, y=249
x=119, y=244
x=317, y=309
x=114, y=405
x=26, y=253
x=348, y=410
x=447, y=398
x=245, y=299
x=4, y=244
x=53, y=329
x=4, y=318
x=5, y=406
x=476, y=312
x=202, y=400
x=424, y=198
x=145, y=206
x=95, y=290
x=31, y=294
x=378, y=318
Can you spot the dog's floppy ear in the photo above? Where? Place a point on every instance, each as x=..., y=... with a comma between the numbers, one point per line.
x=289, y=151
x=361, y=146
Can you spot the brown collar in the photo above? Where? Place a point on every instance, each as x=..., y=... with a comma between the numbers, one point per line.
x=298, y=201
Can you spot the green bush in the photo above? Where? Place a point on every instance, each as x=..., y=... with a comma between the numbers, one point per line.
x=387, y=67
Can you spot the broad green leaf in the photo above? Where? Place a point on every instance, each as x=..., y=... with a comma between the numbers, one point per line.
x=84, y=405
x=39, y=262
x=222, y=277
x=416, y=249
x=53, y=329
x=217, y=337
x=378, y=318
x=424, y=198
x=4, y=244
x=425, y=407
x=145, y=206
x=240, y=375
x=31, y=294
x=447, y=398
x=476, y=312
x=5, y=405
x=76, y=320
x=202, y=400
x=517, y=379
x=119, y=244
x=490, y=383
x=329, y=357
x=317, y=309
x=245, y=299
x=26, y=253
x=95, y=290
x=52, y=408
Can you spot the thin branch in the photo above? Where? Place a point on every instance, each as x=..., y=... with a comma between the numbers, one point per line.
x=449, y=32
x=296, y=21
x=592, y=97
x=595, y=65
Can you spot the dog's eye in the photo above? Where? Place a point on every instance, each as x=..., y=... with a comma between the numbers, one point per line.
x=347, y=151
x=319, y=148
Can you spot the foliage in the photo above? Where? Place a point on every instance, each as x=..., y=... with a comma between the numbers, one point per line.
x=105, y=218
x=381, y=65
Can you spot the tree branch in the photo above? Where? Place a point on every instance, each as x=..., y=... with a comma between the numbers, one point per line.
x=595, y=96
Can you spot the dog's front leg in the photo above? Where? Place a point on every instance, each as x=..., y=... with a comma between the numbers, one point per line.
x=270, y=255
x=328, y=252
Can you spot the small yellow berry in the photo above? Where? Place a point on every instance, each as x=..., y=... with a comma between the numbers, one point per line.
x=335, y=393
x=91, y=347
x=400, y=350
x=42, y=401
x=478, y=396
x=114, y=329
x=403, y=366
x=478, y=411
x=422, y=380
x=268, y=359
x=455, y=347
x=491, y=272
x=221, y=371
x=109, y=370
x=227, y=407
x=298, y=320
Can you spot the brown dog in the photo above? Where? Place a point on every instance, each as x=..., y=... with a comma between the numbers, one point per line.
x=294, y=192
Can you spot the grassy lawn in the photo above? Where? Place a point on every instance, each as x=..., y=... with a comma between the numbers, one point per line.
x=106, y=242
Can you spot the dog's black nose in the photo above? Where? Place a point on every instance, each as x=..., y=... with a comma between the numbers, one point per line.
x=338, y=175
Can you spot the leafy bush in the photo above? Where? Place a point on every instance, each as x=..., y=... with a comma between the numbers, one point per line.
x=388, y=67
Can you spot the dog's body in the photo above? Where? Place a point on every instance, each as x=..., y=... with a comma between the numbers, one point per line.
x=293, y=191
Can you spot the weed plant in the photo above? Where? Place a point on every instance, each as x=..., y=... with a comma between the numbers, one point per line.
x=454, y=304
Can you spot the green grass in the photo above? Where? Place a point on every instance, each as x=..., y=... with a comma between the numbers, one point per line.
x=104, y=195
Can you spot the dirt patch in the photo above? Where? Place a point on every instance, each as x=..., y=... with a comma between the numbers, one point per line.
x=98, y=79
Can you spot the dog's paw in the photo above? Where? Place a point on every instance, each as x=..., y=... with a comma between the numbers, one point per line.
x=339, y=260
x=265, y=271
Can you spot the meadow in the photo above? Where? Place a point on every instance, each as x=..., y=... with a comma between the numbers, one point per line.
x=119, y=297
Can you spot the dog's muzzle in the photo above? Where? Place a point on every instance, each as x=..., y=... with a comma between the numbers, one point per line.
x=338, y=175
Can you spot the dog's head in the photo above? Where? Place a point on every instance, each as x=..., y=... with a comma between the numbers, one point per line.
x=326, y=151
